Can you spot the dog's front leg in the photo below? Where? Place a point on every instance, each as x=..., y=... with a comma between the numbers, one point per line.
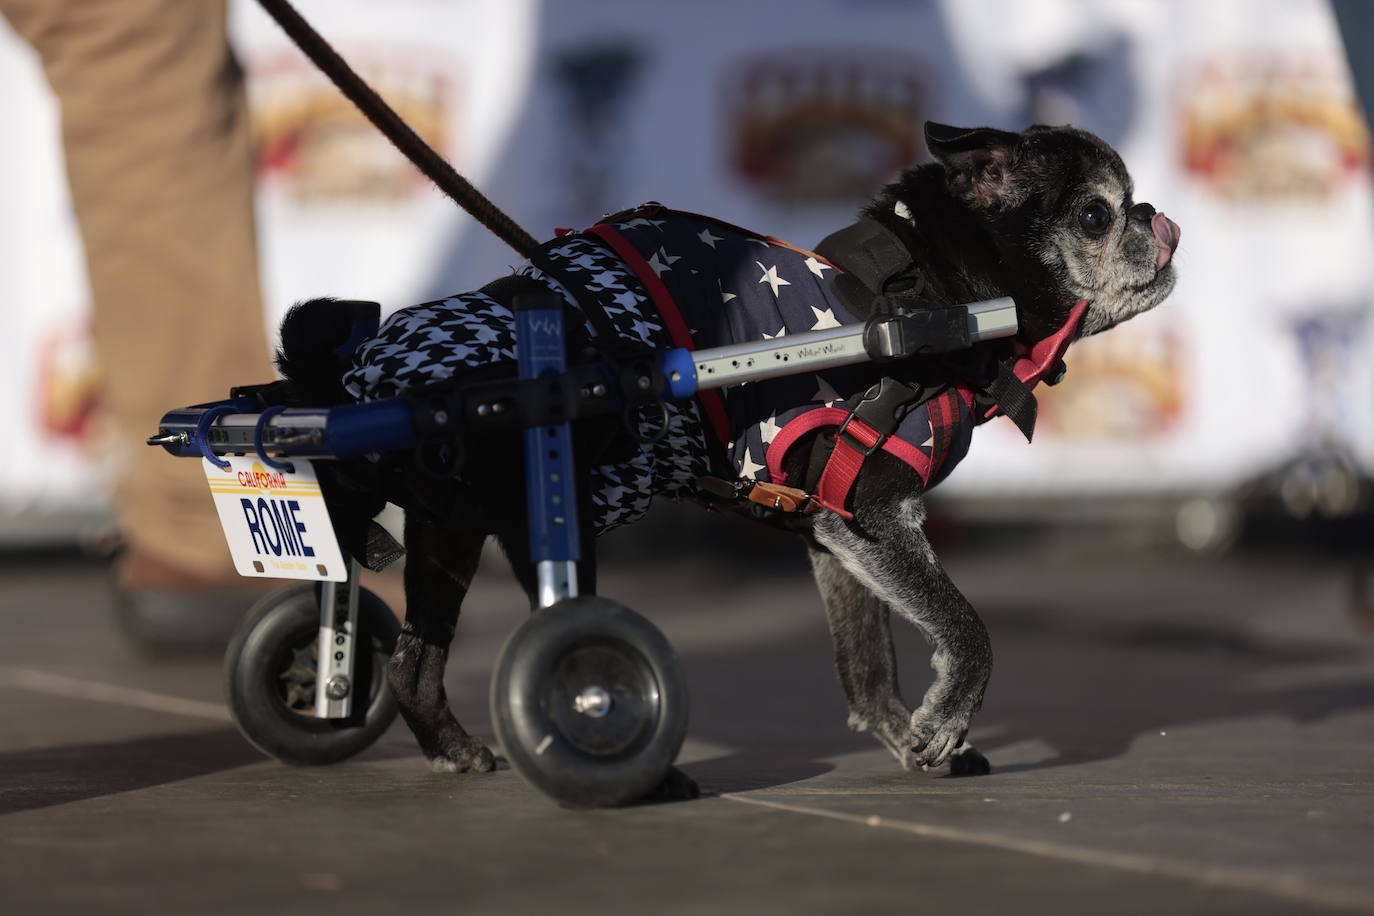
x=884, y=549
x=440, y=565
x=864, y=656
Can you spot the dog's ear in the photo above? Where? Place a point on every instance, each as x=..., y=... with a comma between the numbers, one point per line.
x=978, y=163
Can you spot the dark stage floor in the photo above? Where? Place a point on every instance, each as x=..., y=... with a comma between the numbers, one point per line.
x=1168, y=736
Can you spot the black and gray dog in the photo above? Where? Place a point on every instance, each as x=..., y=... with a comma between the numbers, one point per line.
x=1045, y=217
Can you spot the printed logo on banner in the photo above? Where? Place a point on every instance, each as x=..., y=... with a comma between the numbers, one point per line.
x=1265, y=125
x=67, y=389
x=812, y=125
x=316, y=145
x=595, y=81
x=1332, y=343
x=1126, y=386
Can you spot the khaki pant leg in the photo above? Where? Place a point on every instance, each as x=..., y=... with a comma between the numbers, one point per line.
x=156, y=134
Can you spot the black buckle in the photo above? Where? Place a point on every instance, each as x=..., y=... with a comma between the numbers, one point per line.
x=855, y=444
x=882, y=408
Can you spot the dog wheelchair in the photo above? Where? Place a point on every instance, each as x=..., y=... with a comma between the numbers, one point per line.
x=588, y=699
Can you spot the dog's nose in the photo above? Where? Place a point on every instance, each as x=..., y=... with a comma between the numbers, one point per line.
x=1141, y=211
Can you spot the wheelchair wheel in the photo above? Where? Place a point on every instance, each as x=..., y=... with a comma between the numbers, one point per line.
x=270, y=669
x=589, y=703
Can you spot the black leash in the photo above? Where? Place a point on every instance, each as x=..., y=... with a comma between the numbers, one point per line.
x=394, y=127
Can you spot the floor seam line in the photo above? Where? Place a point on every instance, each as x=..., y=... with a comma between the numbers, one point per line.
x=1287, y=886
x=44, y=682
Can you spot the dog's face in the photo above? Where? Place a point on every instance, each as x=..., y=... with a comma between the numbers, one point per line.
x=1063, y=197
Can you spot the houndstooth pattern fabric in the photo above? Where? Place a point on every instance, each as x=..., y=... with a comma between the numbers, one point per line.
x=433, y=341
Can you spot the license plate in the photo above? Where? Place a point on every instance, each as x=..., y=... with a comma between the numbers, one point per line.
x=275, y=521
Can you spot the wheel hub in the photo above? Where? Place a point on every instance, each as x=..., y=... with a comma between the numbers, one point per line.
x=603, y=698
x=593, y=701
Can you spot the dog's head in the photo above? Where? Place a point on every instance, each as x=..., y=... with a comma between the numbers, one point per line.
x=1058, y=204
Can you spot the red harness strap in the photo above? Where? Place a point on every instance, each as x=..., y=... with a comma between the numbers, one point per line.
x=847, y=459
x=844, y=465
x=1034, y=362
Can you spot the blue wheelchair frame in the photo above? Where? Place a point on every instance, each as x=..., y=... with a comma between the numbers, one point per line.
x=544, y=400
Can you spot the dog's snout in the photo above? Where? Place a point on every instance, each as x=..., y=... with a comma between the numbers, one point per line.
x=1142, y=211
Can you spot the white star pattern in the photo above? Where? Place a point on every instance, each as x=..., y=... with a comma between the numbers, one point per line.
x=749, y=469
x=825, y=318
x=469, y=330
x=770, y=276
x=903, y=211
x=660, y=266
x=769, y=428
x=817, y=267
x=825, y=392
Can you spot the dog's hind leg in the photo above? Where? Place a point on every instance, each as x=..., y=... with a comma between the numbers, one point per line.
x=439, y=569
x=885, y=551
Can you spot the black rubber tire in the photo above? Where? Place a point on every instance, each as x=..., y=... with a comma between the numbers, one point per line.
x=266, y=645
x=578, y=760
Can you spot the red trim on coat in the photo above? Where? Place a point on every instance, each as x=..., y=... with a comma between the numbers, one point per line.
x=711, y=403
x=653, y=208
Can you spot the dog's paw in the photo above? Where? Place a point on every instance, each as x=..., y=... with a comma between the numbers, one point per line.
x=466, y=755
x=965, y=760
x=676, y=786
x=932, y=738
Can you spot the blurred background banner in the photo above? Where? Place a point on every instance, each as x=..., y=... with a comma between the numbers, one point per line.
x=48, y=477
x=1236, y=117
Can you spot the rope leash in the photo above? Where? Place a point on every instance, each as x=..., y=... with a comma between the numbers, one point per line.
x=394, y=127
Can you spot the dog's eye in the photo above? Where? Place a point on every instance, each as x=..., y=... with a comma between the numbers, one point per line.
x=1095, y=218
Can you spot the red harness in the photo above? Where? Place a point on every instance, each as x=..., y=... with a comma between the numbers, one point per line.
x=860, y=440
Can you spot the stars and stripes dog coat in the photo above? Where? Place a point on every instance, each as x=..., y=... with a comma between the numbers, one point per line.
x=662, y=279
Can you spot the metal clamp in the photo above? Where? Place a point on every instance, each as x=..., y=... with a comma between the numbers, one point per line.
x=207, y=420
x=258, y=429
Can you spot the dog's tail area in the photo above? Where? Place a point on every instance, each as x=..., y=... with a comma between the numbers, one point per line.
x=318, y=338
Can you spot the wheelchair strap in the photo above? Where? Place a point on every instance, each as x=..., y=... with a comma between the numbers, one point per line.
x=873, y=418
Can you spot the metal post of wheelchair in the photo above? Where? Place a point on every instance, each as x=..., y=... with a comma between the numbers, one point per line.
x=551, y=493
x=338, y=631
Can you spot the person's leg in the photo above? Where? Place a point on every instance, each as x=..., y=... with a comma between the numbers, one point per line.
x=159, y=160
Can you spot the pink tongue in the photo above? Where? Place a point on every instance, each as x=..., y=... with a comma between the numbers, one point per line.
x=1167, y=235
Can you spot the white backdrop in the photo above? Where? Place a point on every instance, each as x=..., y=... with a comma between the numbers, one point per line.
x=1235, y=116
